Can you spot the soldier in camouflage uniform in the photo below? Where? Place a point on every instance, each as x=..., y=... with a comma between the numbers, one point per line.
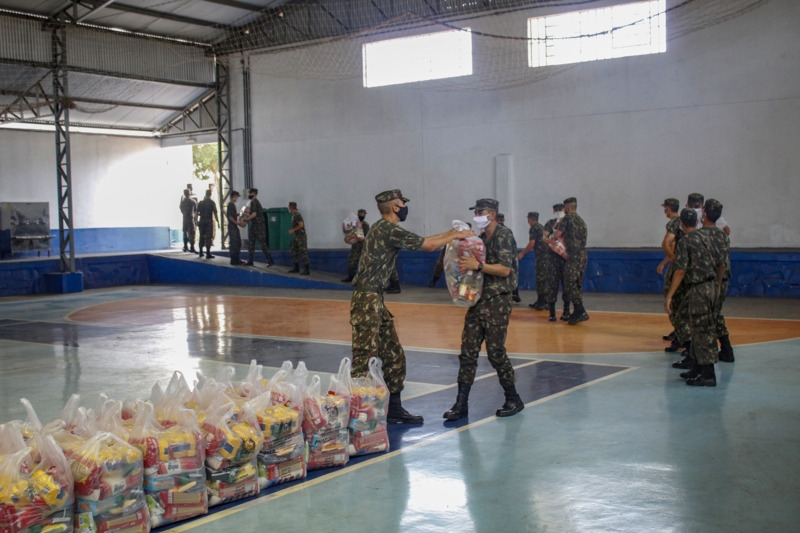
x=234, y=237
x=712, y=211
x=188, y=208
x=207, y=218
x=573, y=230
x=374, y=334
x=487, y=320
x=554, y=266
x=356, y=248
x=671, y=237
x=696, y=269
x=257, y=230
x=299, y=246
x=540, y=248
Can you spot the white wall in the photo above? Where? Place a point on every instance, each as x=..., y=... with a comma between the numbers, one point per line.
x=718, y=113
x=116, y=181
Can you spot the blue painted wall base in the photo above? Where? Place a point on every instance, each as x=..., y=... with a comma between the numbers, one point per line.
x=63, y=282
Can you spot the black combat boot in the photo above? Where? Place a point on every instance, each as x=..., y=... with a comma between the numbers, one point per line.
x=580, y=315
x=515, y=296
x=726, y=351
x=393, y=288
x=185, y=245
x=208, y=254
x=397, y=414
x=694, y=370
x=270, y=262
x=459, y=409
x=565, y=315
x=706, y=378
x=687, y=360
x=513, y=403
x=305, y=271
x=552, y=317
x=192, y=249
x=348, y=279
x=295, y=269
x=434, y=279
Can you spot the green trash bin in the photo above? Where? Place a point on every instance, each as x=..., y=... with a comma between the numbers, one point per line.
x=279, y=222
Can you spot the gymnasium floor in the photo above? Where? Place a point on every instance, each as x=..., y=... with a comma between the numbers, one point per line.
x=610, y=439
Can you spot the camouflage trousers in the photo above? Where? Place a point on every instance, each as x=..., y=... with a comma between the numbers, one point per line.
x=679, y=321
x=206, y=235
x=722, y=328
x=257, y=234
x=234, y=241
x=299, y=248
x=554, y=265
x=698, y=308
x=486, y=321
x=188, y=231
x=574, y=269
x=542, y=281
x=353, y=258
x=374, y=335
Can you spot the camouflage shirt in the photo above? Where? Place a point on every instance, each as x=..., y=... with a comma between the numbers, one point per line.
x=695, y=256
x=674, y=228
x=231, y=213
x=721, y=247
x=207, y=211
x=258, y=221
x=536, y=233
x=296, y=219
x=573, y=230
x=501, y=248
x=381, y=246
x=188, y=208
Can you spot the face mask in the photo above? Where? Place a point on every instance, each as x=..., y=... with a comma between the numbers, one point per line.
x=251, y=196
x=361, y=217
x=403, y=213
x=560, y=215
x=481, y=222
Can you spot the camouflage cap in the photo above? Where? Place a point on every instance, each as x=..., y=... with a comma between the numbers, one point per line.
x=235, y=193
x=394, y=194
x=689, y=217
x=362, y=211
x=501, y=216
x=672, y=203
x=558, y=207
x=486, y=203
x=253, y=190
x=292, y=205
x=712, y=204
x=533, y=214
x=695, y=200
x=571, y=200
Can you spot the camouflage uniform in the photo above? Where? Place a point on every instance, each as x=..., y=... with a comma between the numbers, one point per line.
x=206, y=212
x=540, y=249
x=488, y=318
x=299, y=246
x=721, y=244
x=678, y=322
x=553, y=266
x=355, y=252
x=257, y=232
x=573, y=230
x=374, y=334
x=188, y=210
x=695, y=256
x=234, y=237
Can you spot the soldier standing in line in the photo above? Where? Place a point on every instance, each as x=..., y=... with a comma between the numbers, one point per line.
x=712, y=212
x=539, y=247
x=188, y=209
x=207, y=219
x=554, y=266
x=695, y=268
x=374, y=334
x=356, y=248
x=299, y=246
x=234, y=237
x=573, y=230
x=258, y=229
x=487, y=320
x=671, y=237
x=501, y=219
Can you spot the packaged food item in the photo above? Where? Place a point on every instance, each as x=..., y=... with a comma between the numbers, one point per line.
x=465, y=287
x=369, y=397
x=325, y=419
x=352, y=229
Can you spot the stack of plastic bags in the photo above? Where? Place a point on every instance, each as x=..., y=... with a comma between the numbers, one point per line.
x=465, y=287
x=369, y=399
x=325, y=420
x=36, y=485
x=352, y=229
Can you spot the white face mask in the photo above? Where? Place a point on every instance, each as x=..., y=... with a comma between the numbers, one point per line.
x=481, y=222
x=559, y=215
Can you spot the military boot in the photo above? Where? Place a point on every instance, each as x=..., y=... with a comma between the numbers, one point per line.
x=726, y=351
x=552, y=317
x=706, y=378
x=459, y=409
x=565, y=315
x=694, y=370
x=513, y=403
x=305, y=271
x=397, y=414
x=270, y=262
x=393, y=288
x=295, y=269
x=579, y=315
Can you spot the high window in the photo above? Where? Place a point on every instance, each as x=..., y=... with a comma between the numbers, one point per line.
x=618, y=31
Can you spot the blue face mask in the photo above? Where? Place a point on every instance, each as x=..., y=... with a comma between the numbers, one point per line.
x=403, y=213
